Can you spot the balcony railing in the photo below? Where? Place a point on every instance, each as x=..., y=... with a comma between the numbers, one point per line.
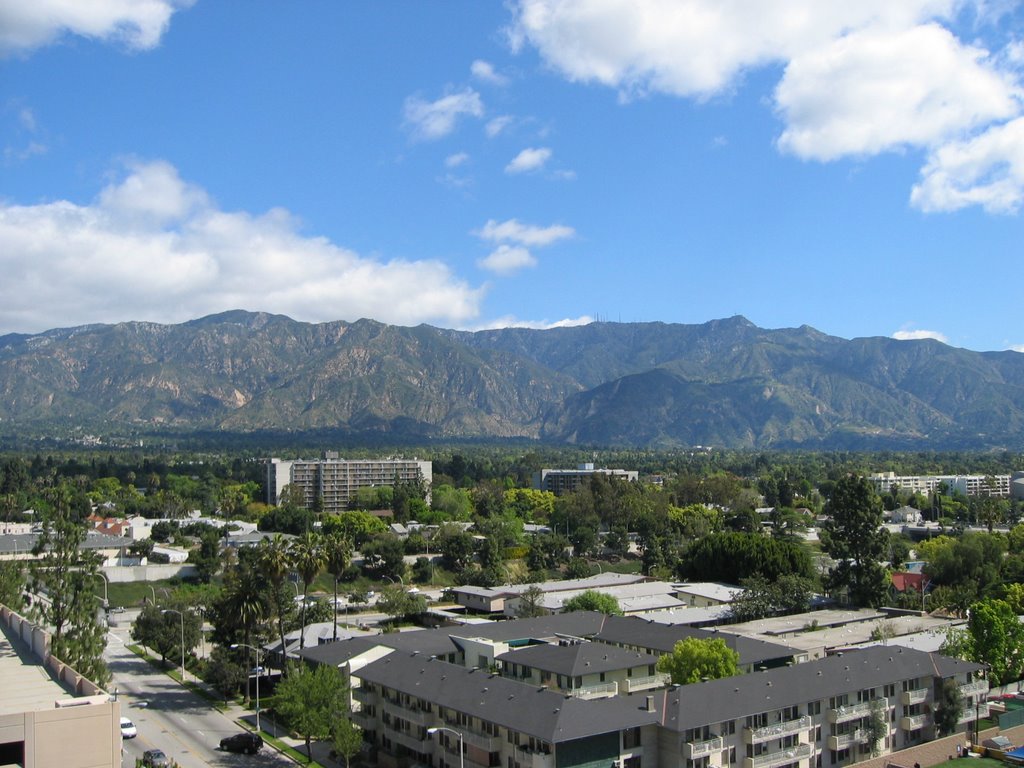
x=913, y=722
x=531, y=758
x=915, y=696
x=776, y=730
x=782, y=757
x=412, y=715
x=844, y=740
x=970, y=714
x=364, y=721
x=409, y=740
x=692, y=749
x=974, y=689
x=596, y=691
x=854, y=711
x=634, y=684
x=482, y=741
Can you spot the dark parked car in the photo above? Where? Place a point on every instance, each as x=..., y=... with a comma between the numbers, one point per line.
x=155, y=758
x=249, y=743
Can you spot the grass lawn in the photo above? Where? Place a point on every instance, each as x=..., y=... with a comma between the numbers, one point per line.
x=132, y=594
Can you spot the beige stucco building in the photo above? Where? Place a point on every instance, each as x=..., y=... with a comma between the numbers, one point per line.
x=49, y=714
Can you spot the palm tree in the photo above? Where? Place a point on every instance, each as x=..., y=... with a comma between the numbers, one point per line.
x=338, y=549
x=274, y=561
x=308, y=557
x=246, y=600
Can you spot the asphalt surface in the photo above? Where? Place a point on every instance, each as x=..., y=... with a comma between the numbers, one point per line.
x=172, y=718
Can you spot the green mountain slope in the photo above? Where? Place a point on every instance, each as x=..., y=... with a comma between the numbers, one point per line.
x=725, y=382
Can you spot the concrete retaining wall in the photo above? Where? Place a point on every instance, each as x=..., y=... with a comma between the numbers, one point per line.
x=120, y=574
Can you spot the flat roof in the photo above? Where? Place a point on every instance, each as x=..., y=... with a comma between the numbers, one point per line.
x=28, y=686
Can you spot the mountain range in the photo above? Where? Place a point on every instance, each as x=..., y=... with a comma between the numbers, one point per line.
x=723, y=383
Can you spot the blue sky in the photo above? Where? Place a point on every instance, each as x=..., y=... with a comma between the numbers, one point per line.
x=856, y=167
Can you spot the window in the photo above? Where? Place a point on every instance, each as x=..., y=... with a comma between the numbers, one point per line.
x=732, y=755
x=631, y=738
x=814, y=708
x=890, y=690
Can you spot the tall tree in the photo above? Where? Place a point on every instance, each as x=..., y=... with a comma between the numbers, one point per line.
x=309, y=559
x=338, y=551
x=311, y=701
x=949, y=707
x=854, y=537
x=347, y=740
x=275, y=564
x=68, y=578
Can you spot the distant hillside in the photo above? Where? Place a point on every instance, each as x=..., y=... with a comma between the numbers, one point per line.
x=724, y=383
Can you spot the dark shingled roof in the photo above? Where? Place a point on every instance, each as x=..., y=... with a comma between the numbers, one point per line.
x=528, y=709
x=577, y=658
x=427, y=642
x=716, y=701
x=614, y=630
x=640, y=633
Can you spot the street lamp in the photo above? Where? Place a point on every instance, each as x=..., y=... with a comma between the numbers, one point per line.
x=106, y=584
x=152, y=592
x=182, y=617
x=432, y=731
x=258, y=670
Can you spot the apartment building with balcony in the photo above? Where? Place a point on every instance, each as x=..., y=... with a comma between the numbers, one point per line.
x=520, y=701
x=562, y=481
x=968, y=485
x=331, y=483
x=581, y=668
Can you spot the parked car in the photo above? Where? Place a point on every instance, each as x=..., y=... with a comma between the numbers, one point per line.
x=128, y=730
x=155, y=758
x=250, y=743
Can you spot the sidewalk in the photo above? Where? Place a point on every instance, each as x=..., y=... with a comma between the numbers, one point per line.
x=321, y=749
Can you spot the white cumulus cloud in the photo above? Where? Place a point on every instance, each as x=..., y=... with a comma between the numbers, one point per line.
x=513, y=322
x=873, y=91
x=506, y=259
x=910, y=335
x=154, y=247
x=987, y=170
x=530, y=159
x=857, y=78
x=485, y=72
x=496, y=125
x=430, y=120
x=454, y=161
x=138, y=24
x=515, y=231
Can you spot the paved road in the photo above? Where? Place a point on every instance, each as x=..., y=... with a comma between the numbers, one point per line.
x=172, y=718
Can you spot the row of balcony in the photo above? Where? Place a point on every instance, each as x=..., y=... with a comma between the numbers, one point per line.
x=531, y=758
x=596, y=691
x=780, y=758
x=844, y=740
x=776, y=730
x=659, y=680
x=855, y=711
x=974, y=689
x=970, y=714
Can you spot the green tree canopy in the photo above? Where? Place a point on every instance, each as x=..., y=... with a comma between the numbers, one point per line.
x=854, y=537
x=592, y=600
x=311, y=701
x=731, y=557
x=695, y=659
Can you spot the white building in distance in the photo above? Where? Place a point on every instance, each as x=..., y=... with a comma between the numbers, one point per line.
x=335, y=481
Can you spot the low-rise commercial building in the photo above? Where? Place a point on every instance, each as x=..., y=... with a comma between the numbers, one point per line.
x=49, y=714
